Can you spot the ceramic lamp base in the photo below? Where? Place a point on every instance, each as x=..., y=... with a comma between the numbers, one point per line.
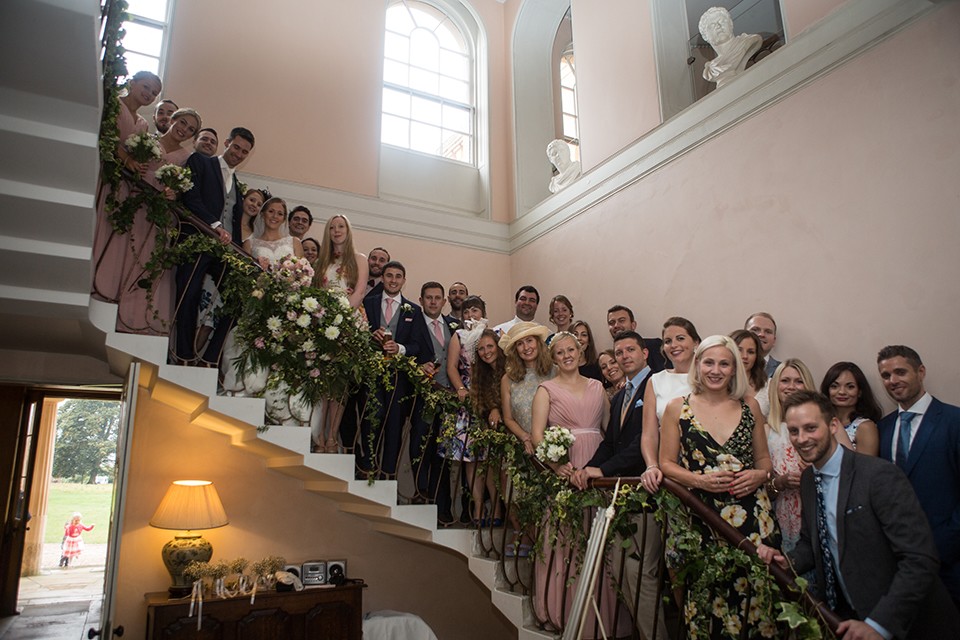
x=180, y=552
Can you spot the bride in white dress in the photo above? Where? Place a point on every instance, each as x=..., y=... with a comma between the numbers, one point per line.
x=271, y=242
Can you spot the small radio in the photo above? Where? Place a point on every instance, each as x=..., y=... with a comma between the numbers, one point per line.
x=314, y=572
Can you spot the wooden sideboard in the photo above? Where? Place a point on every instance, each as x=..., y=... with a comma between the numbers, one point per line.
x=331, y=613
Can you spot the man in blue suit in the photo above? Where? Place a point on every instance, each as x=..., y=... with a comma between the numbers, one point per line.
x=923, y=438
x=215, y=200
x=398, y=327
x=620, y=455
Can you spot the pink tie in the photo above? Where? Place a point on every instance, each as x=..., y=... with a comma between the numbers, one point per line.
x=388, y=314
x=437, y=332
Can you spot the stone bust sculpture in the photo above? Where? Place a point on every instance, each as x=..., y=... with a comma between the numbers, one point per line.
x=733, y=52
x=568, y=172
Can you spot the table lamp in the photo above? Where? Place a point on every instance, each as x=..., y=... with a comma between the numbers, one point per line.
x=188, y=506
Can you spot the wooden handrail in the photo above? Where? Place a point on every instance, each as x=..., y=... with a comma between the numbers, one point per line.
x=732, y=536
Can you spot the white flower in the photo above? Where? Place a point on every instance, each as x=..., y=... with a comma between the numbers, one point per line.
x=337, y=319
x=257, y=293
x=273, y=323
x=310, y=304
x=331, y=333
x=303, y=320
x=293, y=298
x=344, y=301
x=308, y=346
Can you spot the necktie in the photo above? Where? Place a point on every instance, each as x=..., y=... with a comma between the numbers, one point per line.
x=437, y=331
x=388, y=314
x=627, y=399
x=903, y=444
x=829, y=568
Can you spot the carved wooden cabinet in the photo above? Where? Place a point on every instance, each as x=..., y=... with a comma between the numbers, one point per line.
x=333, y=613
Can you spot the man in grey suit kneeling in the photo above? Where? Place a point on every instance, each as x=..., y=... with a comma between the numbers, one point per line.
x=865, y=534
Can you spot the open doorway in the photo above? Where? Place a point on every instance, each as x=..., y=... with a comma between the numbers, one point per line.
x=62, y=499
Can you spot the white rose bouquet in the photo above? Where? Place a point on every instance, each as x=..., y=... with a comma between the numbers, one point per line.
x=143, y=147
x=555, y=446
x=174, y=177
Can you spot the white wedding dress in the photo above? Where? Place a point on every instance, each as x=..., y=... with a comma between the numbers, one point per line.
x=281, y=407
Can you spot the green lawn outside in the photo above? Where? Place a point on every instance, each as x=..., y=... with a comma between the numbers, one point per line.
x=91, y=500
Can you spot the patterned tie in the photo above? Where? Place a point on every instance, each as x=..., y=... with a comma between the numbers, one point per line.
x=437, y=331
x=829, y=569
x=388, y=314
x=627, y=398
x=903, y=444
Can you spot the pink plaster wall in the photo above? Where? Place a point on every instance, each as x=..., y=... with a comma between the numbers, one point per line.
x=272, y=514
x=835, y=209
x=799, y=15
x=304, y=77
x=616, y=76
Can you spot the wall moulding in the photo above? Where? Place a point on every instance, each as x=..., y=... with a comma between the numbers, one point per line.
x=849, y=31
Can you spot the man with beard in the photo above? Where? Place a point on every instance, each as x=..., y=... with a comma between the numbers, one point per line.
x=376, y=260
x=162, y=115
x=455, y=296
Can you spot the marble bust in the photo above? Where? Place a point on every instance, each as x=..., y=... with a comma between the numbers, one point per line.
x=568, y=171
x=733, y=52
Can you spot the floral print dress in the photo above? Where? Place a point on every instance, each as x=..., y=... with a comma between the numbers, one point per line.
x=751, y=515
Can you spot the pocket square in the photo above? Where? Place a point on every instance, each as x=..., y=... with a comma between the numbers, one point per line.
x=408, y=319
x=853, y=509
x=638, y=403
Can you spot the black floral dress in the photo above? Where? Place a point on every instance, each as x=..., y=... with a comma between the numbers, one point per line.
x=724, y=609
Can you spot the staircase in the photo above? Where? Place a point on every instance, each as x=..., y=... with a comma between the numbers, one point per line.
x=286, y=450
x=50, y=103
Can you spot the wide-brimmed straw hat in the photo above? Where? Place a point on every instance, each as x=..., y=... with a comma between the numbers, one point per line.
x=520, y=331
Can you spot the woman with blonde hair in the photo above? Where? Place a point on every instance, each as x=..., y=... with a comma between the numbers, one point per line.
x=339, y=266
x=791, y=376
x=528, y=364
x=712, y=442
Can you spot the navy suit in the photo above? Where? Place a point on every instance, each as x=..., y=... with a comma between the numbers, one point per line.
x=933, y=468
x=888, y=559
x=619, y=454
x=394, y=405
x=771, y=366
x=205, y=200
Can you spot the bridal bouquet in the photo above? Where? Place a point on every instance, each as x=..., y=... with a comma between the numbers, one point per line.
x=143, y=147
x=174, y=177
x=555, y=446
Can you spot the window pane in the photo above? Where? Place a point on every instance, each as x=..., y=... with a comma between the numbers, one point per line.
x=395, y=72
x=456, y=118
x=153, y=9
x=397, y=47
x=425, y=81
x=426, y=17
x=142, y=39
x=456, y=146
x=395, y=131
x=396, y=102
x=137, y=62
x=455, y=90
x=454, y=65
x=570, y=126
x=398, y=19
x=424, y=50
x=568, y=101
x=425, y=110
x=424, y=137
x=450, y=38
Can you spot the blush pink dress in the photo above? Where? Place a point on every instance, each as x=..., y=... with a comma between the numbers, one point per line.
x=552, y=596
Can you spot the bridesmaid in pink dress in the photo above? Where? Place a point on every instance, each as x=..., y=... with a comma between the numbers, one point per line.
x=139, y=312
x=579, y=404
x=108, y=247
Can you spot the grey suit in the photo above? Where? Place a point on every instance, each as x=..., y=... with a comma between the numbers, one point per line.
x=888, y=559
x=771, y=366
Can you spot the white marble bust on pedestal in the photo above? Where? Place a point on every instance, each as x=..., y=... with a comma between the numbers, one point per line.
x=568, y=172
x=733, y=52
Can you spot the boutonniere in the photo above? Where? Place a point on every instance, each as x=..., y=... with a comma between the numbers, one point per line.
x=242, y=187
x=406, y=308
x=453, y=326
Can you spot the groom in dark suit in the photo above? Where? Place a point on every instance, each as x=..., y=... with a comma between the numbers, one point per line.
x=398, y=326
x=865, y=534
x=214, y=200
x=923, y=438
x=619, y=455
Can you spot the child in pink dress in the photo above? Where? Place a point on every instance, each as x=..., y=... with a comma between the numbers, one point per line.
x=72, y=544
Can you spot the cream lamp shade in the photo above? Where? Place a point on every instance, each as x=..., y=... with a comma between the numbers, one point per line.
x=190, y=505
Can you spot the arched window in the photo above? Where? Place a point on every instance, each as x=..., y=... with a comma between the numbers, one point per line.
x=570, y=124
x=428, y=88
